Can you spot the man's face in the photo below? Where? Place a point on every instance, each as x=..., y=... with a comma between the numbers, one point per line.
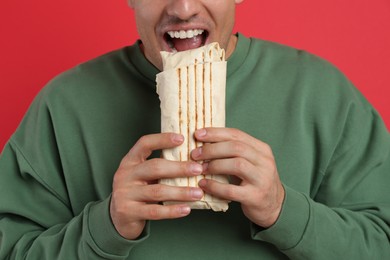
x=168, y=25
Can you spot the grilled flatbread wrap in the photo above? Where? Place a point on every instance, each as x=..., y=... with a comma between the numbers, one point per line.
x=191, y=89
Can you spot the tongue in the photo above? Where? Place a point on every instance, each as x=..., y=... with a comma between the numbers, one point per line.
x=187, y=44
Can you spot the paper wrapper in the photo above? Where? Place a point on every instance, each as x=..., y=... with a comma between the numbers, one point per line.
x=192, y=94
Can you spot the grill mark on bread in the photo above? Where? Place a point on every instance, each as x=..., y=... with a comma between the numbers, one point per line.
x=203, y=105
x=188, y=114
x=211, y=105
x=180, y=108
x=211, y=94
x=188, y=122
x=196, y=106
x=203, y=94
x=196, y=97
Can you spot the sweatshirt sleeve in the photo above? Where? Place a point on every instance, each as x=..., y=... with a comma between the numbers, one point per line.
x=37, y=218
x=349, y=215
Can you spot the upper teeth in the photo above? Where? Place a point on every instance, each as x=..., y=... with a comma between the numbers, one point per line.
x=185, y=34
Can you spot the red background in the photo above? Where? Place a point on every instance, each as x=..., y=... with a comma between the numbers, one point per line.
x=40, y=39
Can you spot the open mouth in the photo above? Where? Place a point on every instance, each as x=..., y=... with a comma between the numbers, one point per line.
x=186, y=39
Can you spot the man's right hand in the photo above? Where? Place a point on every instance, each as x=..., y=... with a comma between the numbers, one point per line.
x=136, y=192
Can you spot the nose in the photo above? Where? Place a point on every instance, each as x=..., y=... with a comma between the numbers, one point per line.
x=183, y=9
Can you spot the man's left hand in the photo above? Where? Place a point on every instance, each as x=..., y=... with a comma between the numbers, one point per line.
x=251, y=162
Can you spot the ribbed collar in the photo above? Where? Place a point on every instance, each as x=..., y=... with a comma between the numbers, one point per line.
x=239, y=55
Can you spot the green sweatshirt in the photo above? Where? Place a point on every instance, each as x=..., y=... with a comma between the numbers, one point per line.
x=331, y=147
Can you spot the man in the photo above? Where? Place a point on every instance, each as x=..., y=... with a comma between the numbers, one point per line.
x=308, y=156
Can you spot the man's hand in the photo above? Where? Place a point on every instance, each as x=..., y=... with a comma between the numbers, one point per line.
x=235, y=153
x=136, y=193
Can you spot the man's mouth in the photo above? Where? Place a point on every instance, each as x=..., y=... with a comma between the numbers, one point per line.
x=186, y=39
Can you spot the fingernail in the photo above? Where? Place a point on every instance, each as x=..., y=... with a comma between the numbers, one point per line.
x=185, y=210
x=202, y=183
x=196, y=168
x=201, y=132
x=197, y=193
x=197, y=152
x=205, y=166
x=178, y=138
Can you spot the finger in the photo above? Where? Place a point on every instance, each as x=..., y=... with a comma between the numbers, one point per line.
x=222, y=190
x=158, y=212
x=149, y=143
x=238, y=167
x=228, y=149
x=159, y=192
x=158, y=168
x=215, y=134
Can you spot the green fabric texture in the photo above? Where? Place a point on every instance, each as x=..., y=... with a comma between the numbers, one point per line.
x=331, y=147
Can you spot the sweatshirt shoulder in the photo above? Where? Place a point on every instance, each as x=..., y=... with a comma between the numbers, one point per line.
x=303, y=75
x=298, y=65
x=98, y=67
x=290, y=56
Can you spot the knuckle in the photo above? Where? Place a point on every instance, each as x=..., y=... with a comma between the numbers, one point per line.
x=115, y=195
x=157, y=192
x=143, y=140
x=118, y=196
x=153, y=213
x=155, y=166
x=235, y=133
x=120, y=173
x=125, y=163
x=240, y=165
x=121, y=209
x=238, y=148
x=231, y=192
x=267, y=148
x=270, y=164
